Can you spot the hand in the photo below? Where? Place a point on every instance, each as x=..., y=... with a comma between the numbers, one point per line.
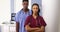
x=38, y=30
x=34, y=29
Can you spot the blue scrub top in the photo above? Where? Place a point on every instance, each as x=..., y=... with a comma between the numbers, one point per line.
x=21, y=17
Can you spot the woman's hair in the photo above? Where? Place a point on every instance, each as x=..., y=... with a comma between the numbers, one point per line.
x=38, y=8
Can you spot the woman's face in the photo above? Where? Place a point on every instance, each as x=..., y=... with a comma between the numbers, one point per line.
x=35, y=9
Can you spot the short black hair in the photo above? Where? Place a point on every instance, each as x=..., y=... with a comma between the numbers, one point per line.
x=38, y=8
x=26, y=0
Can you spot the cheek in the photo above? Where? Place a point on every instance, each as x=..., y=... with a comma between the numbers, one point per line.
x=36, y=10
x=25, y=5
x=33, y=9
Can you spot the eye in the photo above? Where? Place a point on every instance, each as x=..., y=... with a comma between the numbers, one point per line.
x=33, y=8
x=36, y=7
x=25, y=3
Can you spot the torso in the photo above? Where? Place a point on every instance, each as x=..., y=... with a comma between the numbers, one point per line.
x=34, y=22
x=22, y=19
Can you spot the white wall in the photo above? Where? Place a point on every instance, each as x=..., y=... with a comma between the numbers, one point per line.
x=59, y=24
x=59, y=21
x=50, y=10
x=4, y=10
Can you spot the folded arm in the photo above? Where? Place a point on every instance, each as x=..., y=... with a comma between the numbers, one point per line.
x=28, y=28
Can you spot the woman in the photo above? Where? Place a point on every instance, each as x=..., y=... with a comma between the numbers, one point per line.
x=34, y=22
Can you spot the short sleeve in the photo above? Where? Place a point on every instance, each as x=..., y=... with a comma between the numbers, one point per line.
x=27, y=21
x=43, y=23
x=17, y=17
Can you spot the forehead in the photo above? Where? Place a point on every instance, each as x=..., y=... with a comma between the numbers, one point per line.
x=25, y=2
x=35, y=6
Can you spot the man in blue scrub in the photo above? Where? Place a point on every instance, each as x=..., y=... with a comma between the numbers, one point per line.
x=21, y=16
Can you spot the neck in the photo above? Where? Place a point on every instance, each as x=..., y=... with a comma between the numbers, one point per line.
x=25, y=10
x=35, y=15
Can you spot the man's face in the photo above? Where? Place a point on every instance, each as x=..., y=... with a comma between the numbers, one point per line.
x=25, y=4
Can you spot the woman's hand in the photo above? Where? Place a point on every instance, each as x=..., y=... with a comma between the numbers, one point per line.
x=28, y=28
x=41, y=29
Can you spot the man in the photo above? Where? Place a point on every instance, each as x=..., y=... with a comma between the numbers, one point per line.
x=21, y=16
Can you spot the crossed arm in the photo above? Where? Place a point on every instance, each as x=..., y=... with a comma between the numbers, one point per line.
x=28, y=28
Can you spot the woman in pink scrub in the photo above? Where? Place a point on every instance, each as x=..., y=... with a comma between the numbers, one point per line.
x=34, y=22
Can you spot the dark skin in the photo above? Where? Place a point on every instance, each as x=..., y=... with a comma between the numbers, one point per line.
x=25, y=9
x=17, y=27
x=25, y=6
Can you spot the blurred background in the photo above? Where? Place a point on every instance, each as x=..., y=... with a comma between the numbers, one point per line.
x=50, y=10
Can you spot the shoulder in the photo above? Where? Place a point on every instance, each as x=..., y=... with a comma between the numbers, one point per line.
x=40, y=17
x=28, y=17
x=19, y=12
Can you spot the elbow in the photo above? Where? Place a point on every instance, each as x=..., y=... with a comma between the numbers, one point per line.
x=27, y=28
x=42, y=28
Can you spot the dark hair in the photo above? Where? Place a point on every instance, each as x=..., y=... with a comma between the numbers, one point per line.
x=25, y=0
x=38, y=8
